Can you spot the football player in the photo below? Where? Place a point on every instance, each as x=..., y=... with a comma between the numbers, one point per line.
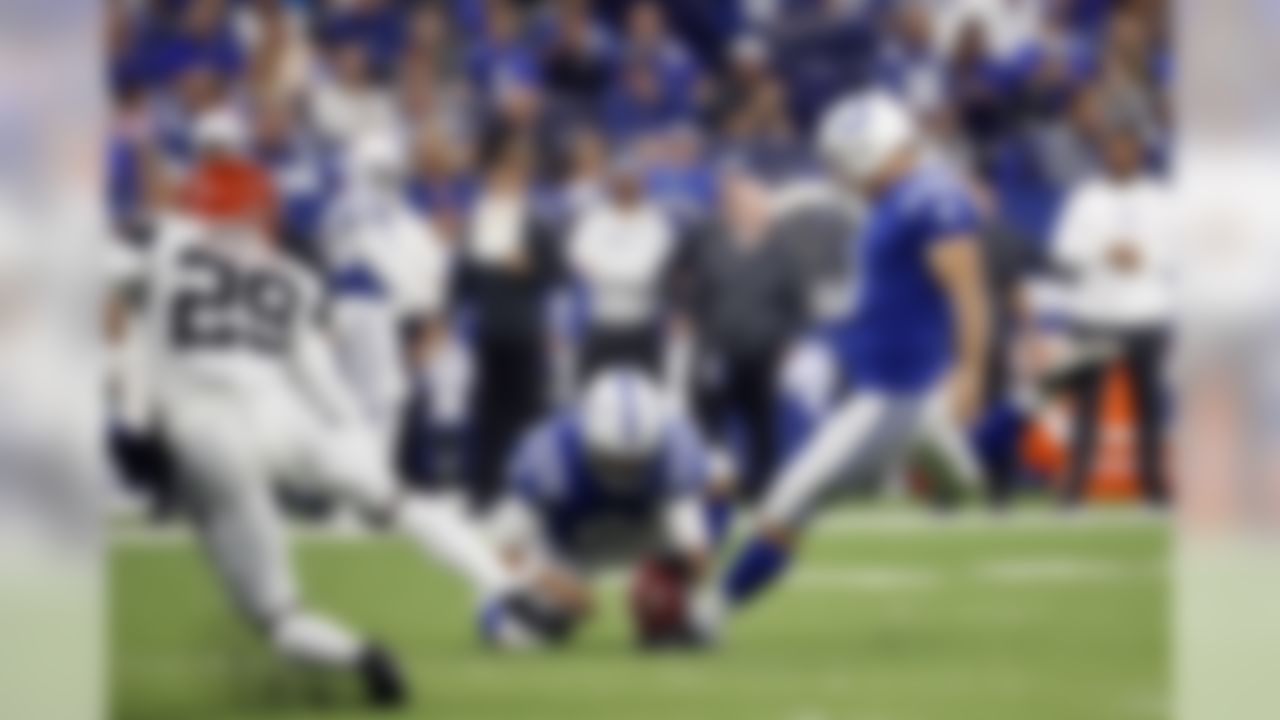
x=244, y=391
x=813, y=384
x=389, y=275
x=620, y=478
x=916, y=327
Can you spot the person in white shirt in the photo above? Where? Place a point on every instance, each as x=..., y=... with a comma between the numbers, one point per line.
x=1113, y=248
x=346, y=101
x=620, y=251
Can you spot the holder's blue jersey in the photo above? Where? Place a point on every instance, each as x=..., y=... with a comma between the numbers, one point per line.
x=579, y=511
x=898, y=336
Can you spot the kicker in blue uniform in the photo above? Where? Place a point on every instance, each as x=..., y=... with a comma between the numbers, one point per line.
x=912, y=339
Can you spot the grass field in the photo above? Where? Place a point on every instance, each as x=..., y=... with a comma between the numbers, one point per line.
x=887, y=617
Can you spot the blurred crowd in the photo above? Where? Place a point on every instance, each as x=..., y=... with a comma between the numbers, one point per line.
x=633, y=180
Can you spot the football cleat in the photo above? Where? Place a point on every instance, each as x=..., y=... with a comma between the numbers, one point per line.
x=384, y=684
x=521, y=621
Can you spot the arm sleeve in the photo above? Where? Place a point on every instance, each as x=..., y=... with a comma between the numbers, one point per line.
x=515, y=525
x=314, y=366
x=685, y=525
x=535, y=470
x=687, y=464
x=950, y=215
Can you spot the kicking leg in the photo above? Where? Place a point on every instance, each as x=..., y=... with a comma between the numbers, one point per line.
x=234, y=513
x=857, y=439
x=348, y=464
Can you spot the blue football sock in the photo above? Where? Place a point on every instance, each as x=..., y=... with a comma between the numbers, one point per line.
x=755, y=568
x=719, y=520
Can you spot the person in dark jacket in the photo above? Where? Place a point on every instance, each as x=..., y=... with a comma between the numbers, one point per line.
x=746, y=300
x=509, y=269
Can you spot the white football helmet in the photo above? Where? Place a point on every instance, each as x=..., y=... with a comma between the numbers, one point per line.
x=220, y=129
x=862, y=132
x=377, y=158
x=623, y=414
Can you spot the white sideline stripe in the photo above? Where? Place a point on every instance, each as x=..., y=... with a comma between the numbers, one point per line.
x=865, y=579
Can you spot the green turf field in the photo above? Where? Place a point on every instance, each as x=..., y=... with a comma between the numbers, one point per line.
x=885, y=618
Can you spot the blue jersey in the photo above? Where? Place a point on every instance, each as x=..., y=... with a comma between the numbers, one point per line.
x=898, y=336
x=580, y=514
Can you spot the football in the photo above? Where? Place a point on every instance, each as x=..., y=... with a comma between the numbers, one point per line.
x=659, y=600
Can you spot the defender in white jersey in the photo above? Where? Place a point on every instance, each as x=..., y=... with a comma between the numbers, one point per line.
x=242, y=388
x=241, y=395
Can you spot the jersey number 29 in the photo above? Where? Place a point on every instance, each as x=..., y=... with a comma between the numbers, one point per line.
x=221, y=305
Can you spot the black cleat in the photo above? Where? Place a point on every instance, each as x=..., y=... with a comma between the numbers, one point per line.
x=549, y=624
x=384, y=684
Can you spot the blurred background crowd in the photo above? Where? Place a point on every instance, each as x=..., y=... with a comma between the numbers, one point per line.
x=633, y=180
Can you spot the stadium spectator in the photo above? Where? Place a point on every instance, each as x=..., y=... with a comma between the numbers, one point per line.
x=578, y=60
x=1020, y=91
x=976, y=88
x=501, y=56
x=824, y=48
x=760, y=134
x=1114, y=245
x=376, y=26
x=442, y=184
x=650, y=42
x=746, y=298
x=619, y=253
x=197, y=33
x=677, y=174
x=749, y=66
x=586, y=171
x=305, y=179
x=908, y=61
x=509, y=269
x=640, y=104
x=431, y=41
x=348, y=99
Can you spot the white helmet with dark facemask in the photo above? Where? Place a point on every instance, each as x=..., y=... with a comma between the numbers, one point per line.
x=377, y=161
x=623, y=416
x=862, y=133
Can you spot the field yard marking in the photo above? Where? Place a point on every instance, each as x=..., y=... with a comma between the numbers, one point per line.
x=1061, y=569
x=866, y=579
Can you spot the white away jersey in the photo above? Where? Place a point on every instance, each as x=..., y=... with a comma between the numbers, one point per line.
x=224, y=308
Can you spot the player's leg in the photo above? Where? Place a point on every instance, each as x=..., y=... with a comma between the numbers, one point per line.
x=556, y=597
x=349, y=464
x=710, y=409
x=858, y=438
x=943, y=450
x=229, y=493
